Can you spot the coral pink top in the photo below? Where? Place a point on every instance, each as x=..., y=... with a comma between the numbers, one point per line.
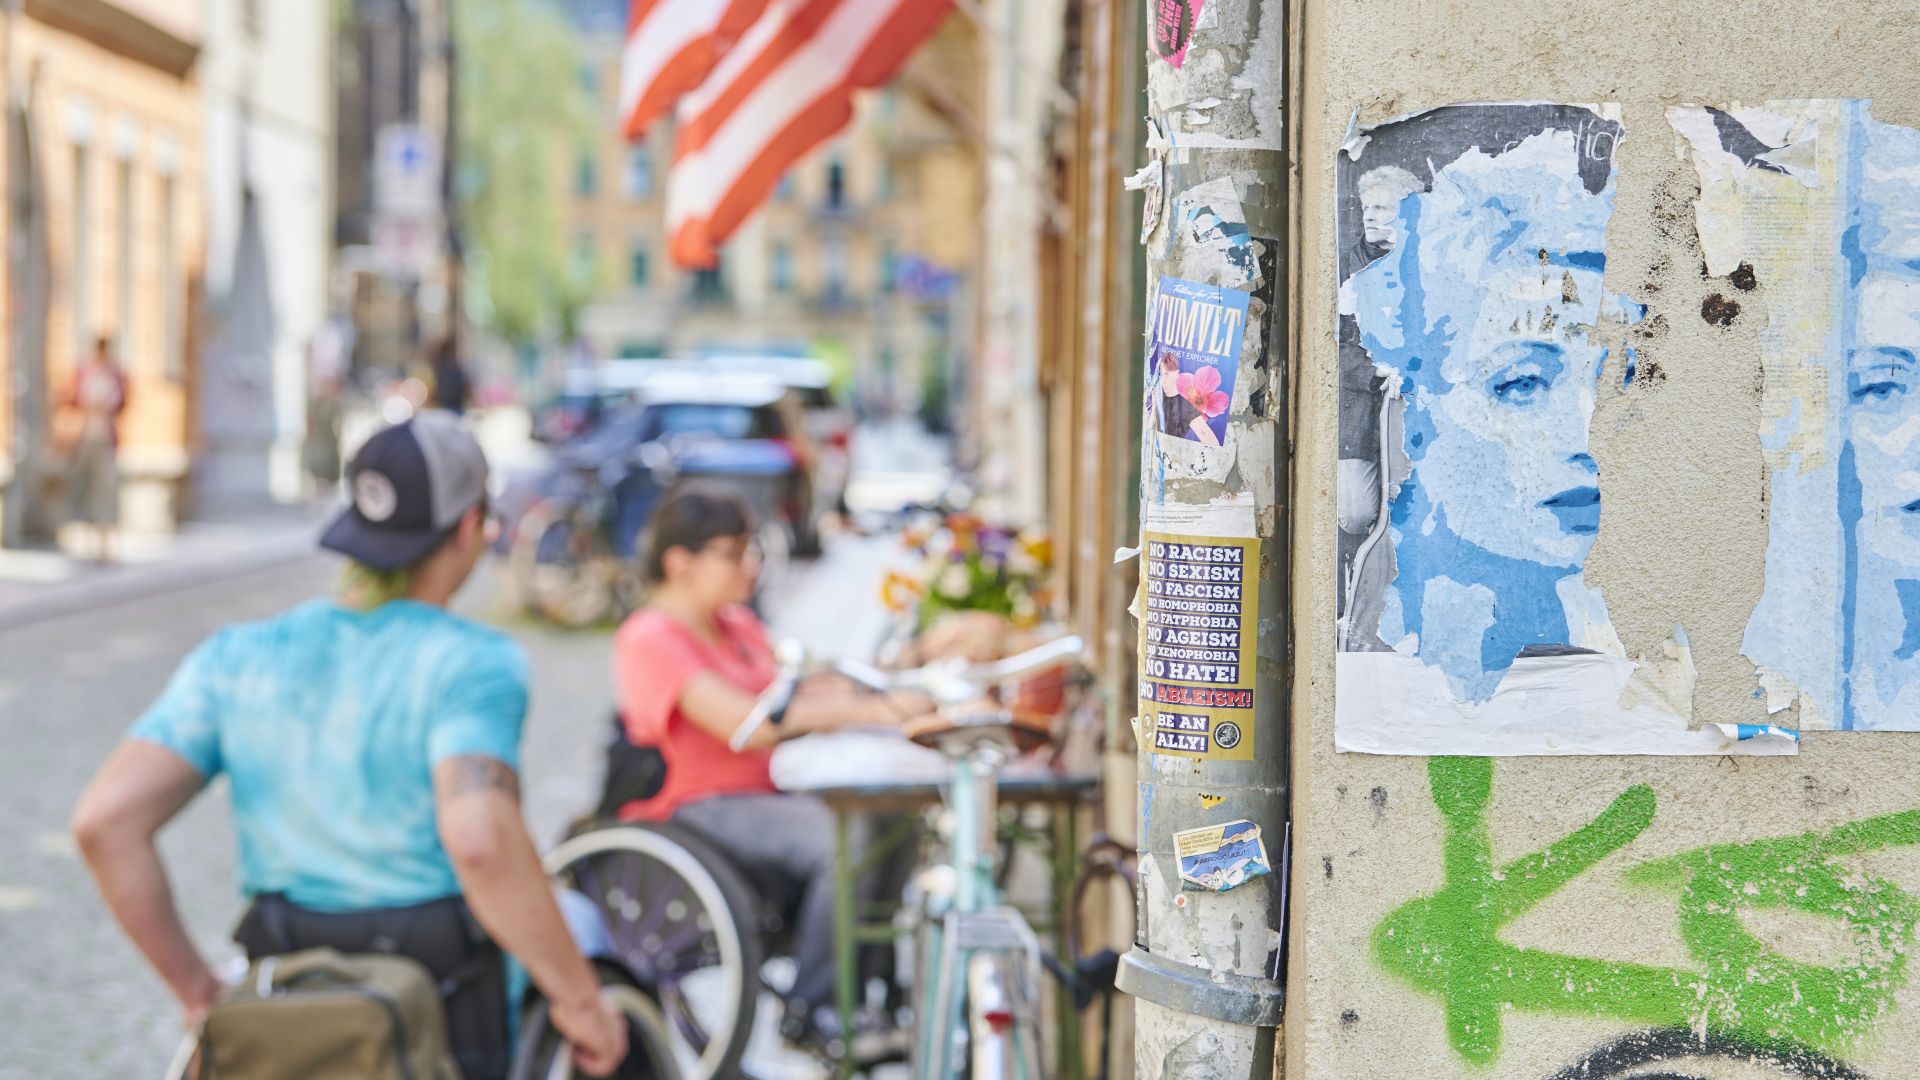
x=653, y=656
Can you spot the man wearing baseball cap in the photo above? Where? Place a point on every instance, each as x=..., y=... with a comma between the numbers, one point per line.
x=372, y=746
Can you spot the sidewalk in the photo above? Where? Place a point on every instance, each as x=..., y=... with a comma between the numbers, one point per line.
x=38, y=584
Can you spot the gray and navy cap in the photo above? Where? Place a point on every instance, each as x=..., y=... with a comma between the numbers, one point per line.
x=409, y=485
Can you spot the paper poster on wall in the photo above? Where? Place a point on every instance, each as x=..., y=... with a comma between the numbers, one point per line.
x=1809, y=219
x=1193, y=353
x=1198, y=642
x=1473, y=329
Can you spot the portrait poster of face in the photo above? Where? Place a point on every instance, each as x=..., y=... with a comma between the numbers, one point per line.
x=1815, y=205
x=1193, y=337
x=1474, y=326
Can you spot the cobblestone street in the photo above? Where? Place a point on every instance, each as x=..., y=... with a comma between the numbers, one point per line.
x=76, y=998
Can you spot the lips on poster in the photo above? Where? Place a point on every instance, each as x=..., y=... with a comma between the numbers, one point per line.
x=1194, y=354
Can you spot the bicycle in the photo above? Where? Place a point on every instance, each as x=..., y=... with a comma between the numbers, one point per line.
x=977, y=1002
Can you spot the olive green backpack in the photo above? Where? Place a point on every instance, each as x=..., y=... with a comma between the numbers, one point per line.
x=319, y=1014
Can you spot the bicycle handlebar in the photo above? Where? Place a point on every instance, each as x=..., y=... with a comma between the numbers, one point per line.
x=946, y=681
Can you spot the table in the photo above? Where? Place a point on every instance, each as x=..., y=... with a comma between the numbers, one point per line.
x=852, y=928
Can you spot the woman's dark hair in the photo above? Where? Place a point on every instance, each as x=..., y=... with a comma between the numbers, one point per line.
x=691, y=518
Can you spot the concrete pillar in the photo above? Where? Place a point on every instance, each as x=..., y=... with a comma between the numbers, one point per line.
x=1205, y=967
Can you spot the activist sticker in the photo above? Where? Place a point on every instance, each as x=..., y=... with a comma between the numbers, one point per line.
x=1194, y=353
x=1221, y=857
x=1197, y=644
x=1173, y=28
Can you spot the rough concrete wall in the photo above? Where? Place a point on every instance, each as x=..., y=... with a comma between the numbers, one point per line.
x=1611, y=948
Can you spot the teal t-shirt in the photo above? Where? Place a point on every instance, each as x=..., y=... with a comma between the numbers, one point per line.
x=327, y=723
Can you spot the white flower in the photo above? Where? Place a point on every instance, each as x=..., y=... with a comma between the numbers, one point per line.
x=954, y=584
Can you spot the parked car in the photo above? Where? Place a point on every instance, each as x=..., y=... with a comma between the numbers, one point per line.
x=829, y=421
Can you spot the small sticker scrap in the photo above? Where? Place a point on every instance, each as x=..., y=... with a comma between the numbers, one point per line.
x=1217, y=858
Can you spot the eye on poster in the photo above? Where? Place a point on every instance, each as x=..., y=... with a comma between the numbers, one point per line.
x=1193, y=355
x=1198, y=644
x=1473, y=331
x=1809, y=211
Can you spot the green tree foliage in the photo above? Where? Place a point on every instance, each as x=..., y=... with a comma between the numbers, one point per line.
x=524, y=114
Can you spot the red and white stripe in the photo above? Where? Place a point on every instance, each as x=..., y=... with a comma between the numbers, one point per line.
x=784, y=88
x=671, y=46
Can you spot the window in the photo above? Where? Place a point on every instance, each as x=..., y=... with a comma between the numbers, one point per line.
x=636, y=181
x=585, y=259
x=637, y=266
x=172, y=298
x=836, y=184
x=780, y=267
x=710, y=286
x=123, y=328
x=833, y=261
x=883, y=184
x=81, y=264
x=784, y=192
x=586, y=174
x=889, y=266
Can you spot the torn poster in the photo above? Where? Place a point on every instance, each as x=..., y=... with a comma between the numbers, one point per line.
x=1217, y=858
x=1813, y=208
x=1193, y=342
x=1173, y=23
x=1473, y=331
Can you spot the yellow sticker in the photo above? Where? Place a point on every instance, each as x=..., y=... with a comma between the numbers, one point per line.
x=1198, y=644
x=1208, y=802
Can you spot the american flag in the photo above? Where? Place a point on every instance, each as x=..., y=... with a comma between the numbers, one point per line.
x=782, y=87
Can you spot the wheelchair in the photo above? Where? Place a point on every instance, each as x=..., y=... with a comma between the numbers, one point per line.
x=693, y=928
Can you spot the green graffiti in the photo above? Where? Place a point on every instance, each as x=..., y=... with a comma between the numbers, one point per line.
x=1448, y=944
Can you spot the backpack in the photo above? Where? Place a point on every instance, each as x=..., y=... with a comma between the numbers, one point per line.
x=320, y=1014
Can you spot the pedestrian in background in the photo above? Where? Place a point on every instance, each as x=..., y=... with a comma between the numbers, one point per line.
x=90, y=432
x=325, y=411
x=452, y=390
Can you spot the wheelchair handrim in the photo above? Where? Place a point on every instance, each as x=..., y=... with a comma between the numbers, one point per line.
x=677, y=858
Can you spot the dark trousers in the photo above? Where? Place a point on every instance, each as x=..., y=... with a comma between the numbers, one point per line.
x=441, y=934
x=794, y=835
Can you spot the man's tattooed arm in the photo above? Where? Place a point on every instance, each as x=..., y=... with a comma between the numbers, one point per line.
x=477, y=772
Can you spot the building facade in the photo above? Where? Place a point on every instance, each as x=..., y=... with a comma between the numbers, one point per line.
x=268, y=85
x=115, y=121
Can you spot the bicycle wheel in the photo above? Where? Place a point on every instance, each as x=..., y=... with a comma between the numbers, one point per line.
x=562, y=567
x=682, y=921
x=543, y=1053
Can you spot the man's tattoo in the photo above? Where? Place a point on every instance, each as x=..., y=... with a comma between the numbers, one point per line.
x=478, y=772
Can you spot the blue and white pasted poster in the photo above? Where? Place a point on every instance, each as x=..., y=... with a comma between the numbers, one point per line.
x=1221, y=857
x=1193, y=353
x=1821, y=204
x=1474, y=327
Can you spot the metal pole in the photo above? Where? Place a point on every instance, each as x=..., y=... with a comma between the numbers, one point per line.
x=1205, y=969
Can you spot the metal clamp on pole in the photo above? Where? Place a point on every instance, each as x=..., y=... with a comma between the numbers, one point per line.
x=1231, y=999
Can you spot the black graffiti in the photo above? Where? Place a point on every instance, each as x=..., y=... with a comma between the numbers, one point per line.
x=1679, y=1054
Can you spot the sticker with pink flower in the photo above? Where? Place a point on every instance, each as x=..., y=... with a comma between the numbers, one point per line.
x=1195, y=331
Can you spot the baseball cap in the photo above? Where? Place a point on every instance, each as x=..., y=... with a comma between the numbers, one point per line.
x=409, y=486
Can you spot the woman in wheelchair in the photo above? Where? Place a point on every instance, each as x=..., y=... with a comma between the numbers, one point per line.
x=688, y=668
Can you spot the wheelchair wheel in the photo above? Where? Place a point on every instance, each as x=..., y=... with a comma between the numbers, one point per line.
x=543, y=1053
x=683, y=922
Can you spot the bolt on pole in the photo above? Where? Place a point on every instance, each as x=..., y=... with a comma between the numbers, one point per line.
x=1212, y=609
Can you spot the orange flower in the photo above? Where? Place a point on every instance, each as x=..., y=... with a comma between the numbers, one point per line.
x=900, y=592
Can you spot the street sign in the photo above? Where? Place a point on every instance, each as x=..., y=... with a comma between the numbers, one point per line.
x=406, y=176
x=406, y=244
